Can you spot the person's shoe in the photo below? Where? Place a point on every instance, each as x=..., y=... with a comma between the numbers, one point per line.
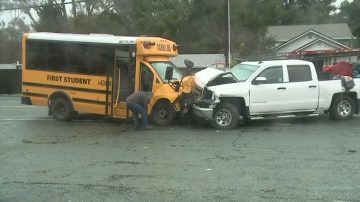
x=145, y=127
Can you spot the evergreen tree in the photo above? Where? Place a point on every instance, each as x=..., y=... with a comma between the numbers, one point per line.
x=350, y=13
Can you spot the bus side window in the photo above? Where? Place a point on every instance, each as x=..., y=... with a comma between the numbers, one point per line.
x=146, y=77
x=56, y=56
x=36, y=55
x=101, y=60
x=77, y=58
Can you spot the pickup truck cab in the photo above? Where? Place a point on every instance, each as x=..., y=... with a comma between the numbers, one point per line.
x=270, y=89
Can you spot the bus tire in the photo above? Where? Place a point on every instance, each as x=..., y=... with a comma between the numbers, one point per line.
x=163, y=113
x=61, y=109
x=342, y=108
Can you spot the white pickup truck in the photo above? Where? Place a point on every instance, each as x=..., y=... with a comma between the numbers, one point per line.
x=270, y=89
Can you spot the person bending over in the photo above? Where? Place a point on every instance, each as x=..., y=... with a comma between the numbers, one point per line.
x=137, y=103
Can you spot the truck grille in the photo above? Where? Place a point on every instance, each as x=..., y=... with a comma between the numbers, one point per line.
x=202, y=97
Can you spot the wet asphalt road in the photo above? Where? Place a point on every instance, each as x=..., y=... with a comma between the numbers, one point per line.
x=90, y=159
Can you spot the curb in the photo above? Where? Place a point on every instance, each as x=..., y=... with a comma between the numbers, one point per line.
x=10, y=95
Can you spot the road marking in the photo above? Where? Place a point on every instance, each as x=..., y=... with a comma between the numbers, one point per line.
x=49, y=120
x=14, y=106
x=283, y=124
x=26, y=119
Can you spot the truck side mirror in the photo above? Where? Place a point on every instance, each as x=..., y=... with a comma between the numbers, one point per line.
x=259, y=80
x=169, y=73
x=189, y=64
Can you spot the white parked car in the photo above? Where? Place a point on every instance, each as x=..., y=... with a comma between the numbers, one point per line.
x=271, y=89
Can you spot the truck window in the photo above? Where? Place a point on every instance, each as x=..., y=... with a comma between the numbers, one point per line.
x=273, y=74
x=299, y=73
x=244, y=71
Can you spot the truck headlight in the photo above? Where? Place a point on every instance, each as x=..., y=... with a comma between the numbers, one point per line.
x=214, y=100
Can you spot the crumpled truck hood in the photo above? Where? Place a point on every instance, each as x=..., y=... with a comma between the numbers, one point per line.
x=204, y=76
x=230, y=90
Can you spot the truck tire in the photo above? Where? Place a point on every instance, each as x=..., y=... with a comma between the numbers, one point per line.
x=342, y=108
x=226, y=116
x=163, y=113
x=61, y=109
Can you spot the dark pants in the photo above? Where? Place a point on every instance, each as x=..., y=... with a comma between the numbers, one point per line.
x=137, y=109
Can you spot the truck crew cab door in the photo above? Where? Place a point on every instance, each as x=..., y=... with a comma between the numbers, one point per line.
x=303, y=88
x=269, y=96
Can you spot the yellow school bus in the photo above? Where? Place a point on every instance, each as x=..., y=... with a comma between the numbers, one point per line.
x=95, y=73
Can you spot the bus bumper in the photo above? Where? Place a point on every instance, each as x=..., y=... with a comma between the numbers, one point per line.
x=26, y=100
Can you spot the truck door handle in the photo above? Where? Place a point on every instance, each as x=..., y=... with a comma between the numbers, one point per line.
x=312, y=86
x=281, y=88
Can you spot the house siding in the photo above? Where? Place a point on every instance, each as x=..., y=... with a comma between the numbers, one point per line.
x=302, y=41
x=315, y=46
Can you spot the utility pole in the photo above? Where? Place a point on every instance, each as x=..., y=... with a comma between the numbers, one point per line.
x=227, y=53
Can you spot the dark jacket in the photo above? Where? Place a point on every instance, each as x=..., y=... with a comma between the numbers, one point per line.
x=140, y=97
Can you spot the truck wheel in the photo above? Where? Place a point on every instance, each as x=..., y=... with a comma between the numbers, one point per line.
x=163, y=113
x=226, y=116
x=61, y=109
x=342, y=107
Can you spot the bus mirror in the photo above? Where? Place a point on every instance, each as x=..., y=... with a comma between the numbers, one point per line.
x=189, y=64
x=169, y=73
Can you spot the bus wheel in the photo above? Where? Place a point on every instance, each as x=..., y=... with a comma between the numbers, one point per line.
x=61, y=109
x=163, y=113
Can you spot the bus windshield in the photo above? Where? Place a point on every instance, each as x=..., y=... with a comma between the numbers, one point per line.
x=244, y=71
x=160, y=68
